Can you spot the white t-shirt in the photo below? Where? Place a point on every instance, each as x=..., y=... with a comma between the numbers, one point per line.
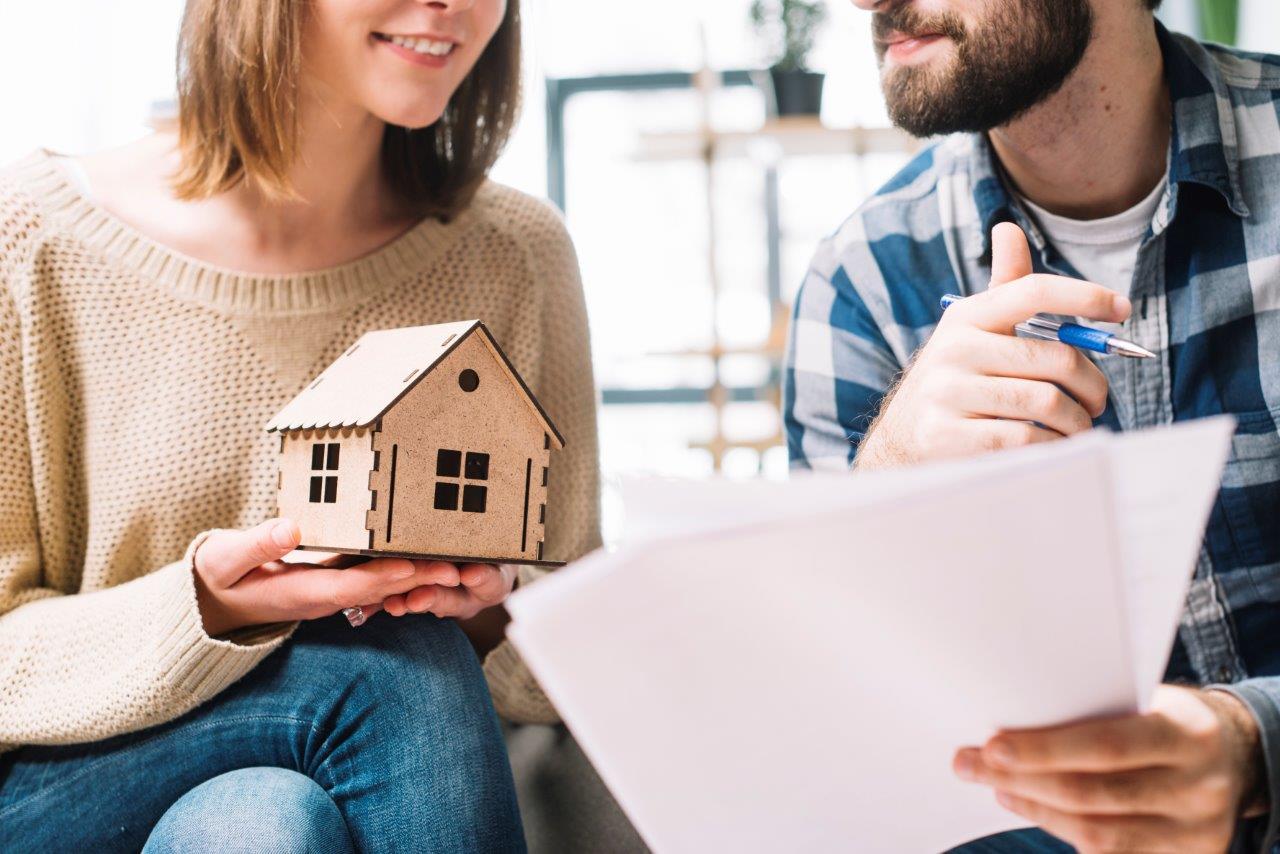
x=1104, y=250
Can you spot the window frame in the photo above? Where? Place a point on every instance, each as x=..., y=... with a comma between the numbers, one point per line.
x=323, y=487
x=462, y=478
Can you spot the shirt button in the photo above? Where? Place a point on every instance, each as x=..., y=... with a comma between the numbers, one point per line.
x=1224, y=674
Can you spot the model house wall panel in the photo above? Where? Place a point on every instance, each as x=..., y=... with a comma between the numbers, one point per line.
x=336, y=523
x=493, y=420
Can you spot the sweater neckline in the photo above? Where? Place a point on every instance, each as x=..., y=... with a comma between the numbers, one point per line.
x=233, y=291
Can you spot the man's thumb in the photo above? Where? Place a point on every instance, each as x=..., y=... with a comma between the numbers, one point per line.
x=1010, y=254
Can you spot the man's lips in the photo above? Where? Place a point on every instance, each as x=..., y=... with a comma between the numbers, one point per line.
x=902, y=46
x=900, y=38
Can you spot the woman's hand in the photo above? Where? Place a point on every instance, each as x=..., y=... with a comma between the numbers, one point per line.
x=482, y=586
x=241, y=581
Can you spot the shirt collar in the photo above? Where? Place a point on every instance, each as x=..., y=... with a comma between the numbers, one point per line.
x=992, y=197
x=1202, y=146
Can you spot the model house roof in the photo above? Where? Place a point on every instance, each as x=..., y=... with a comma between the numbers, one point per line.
x=381, y=368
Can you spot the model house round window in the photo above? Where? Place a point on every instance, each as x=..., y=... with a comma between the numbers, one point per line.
x=469, y=380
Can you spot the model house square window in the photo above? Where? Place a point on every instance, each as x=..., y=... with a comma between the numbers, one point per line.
x=474, y=498
x=452, y=481
x=324, y=458
x=477, y=466
x=448, y=463
x=446, y=496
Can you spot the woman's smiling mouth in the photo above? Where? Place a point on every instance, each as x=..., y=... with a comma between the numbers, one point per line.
x=432, y=51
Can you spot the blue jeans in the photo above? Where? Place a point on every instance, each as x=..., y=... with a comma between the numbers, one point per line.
x=379, y=738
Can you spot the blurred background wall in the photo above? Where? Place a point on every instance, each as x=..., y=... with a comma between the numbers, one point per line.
x=693, y=211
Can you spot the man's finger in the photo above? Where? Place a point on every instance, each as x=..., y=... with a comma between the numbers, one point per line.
x=1048, y=361
x=1151, y=791
x=1097, y=832
x=226, y=556
x=1001, y=309
x=1010, y=254
x=1022, y=400
x=994, y=434
x=1115, y=744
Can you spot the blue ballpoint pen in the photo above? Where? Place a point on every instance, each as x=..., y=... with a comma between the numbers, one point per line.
x=1096, y=340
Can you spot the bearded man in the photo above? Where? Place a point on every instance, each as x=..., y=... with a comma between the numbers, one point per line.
x=1144, y=168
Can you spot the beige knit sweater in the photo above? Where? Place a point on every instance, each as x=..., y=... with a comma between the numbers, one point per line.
x=134, y=386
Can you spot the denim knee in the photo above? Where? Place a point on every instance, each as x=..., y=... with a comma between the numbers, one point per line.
x=393, y=720
x=409, y=716
x=253, y=809
x=415, y=667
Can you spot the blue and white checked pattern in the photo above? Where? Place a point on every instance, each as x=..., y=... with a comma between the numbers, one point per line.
x=1206, y=294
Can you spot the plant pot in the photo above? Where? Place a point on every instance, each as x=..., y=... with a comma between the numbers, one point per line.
x=790, y=92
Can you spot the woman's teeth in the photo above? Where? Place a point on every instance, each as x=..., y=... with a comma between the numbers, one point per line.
x=422, y=45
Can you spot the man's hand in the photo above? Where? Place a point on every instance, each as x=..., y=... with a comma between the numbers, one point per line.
x=974, y=387
x=1174, y=779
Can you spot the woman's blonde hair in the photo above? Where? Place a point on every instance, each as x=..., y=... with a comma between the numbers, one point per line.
x=238, y=69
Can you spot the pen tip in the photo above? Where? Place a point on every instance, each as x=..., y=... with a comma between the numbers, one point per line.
x=1133, y=351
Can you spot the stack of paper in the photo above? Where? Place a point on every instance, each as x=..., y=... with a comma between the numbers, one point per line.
x=791, y=666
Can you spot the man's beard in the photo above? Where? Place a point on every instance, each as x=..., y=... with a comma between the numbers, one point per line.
x=1020, y=55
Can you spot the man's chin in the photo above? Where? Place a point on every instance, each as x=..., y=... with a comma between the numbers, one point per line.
x=923, y=105
x=915, y=92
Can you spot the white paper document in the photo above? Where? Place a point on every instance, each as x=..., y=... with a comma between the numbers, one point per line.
x=791, y=666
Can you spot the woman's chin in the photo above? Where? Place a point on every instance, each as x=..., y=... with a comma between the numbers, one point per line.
x=414, y=118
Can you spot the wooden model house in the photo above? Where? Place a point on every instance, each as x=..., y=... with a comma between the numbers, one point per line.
x=419, y=442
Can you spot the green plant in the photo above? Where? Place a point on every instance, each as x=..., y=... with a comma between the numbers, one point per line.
x=1218, y=20
x=789, y=29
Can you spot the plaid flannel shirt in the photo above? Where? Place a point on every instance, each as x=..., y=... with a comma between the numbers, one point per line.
x=1206, y=295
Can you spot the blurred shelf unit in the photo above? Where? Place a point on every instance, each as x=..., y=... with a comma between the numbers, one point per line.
x=561, y=90
x=799, y=136
x=769, y=146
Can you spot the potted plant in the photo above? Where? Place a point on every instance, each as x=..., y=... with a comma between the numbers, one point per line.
x=1219, y=19
x=789, y=28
